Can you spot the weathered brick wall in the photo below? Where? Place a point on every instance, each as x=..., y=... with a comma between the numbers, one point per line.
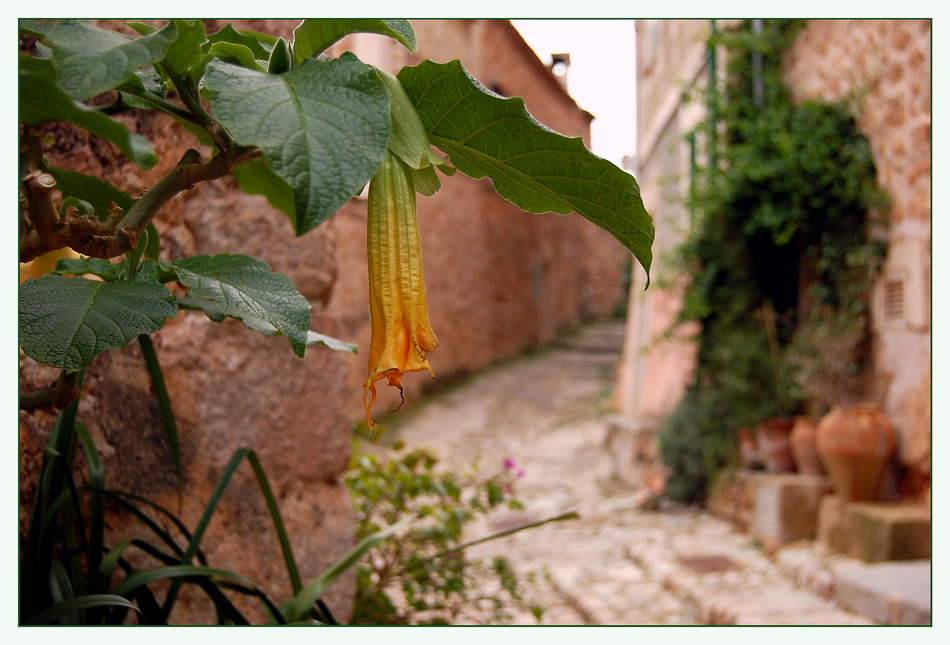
x=887, y=65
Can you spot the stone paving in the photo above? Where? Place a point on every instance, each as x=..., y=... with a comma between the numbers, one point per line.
x=616, y=564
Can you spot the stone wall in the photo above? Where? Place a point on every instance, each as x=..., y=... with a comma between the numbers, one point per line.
x=499, y=281
x=887, y=65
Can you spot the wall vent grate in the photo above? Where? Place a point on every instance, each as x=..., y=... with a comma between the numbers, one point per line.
x=895, y=306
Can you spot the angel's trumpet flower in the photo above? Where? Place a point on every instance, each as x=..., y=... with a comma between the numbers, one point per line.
x=401, y=334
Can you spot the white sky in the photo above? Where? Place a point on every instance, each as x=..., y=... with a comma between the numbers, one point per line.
x=602, y=76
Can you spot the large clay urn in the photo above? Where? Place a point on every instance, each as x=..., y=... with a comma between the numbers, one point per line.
x=801, y=441
x=855, y=443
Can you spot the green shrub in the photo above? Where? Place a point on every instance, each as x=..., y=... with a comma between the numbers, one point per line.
x=422, y=575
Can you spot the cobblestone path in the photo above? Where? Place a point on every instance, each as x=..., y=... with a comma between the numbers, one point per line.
x=616, y=564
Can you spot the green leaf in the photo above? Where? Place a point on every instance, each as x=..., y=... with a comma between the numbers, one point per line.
x=255, y=177
x=240, y=285
x=260, y=47
x=313, y=37
x=87, y=266
x=82, y=206
x=91, y=189
x=90, y=61
x=36, y=28
x=66, y=322
x=214, y=313
x=194, y=303
x=314, y=338
x=147, y=80
x=185, y=52
x=531, y=166
x=323, y=126
x=237, y=54
x=41, y=99
x=281, y=59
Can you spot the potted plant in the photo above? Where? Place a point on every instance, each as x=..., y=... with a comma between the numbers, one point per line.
x=854, y=441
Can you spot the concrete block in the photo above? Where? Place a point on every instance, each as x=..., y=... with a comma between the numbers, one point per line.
x=890, y=593
x=785, y=506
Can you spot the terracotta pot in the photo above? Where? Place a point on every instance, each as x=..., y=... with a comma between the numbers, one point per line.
x=855, y=443
x=801, y=441
x=749, y=453
x=772, y=437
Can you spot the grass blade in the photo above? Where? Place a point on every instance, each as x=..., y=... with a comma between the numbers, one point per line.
x=292, y=572
x=176, y=572
x=97, y=502
x=164, y=406
x=80, y=603
x=298, y=608
x=203, y=525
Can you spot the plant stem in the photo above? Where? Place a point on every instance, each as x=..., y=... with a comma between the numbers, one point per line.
x=160, y=103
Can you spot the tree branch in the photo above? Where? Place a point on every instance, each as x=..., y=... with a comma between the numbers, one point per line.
x=60, y=394
x=92, y=238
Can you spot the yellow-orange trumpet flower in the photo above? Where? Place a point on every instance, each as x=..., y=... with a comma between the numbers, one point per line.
x=401, y=333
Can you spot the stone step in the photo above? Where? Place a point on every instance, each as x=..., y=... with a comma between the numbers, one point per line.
x=891, y=593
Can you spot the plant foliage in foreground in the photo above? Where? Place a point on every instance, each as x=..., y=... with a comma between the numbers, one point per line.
x=288, y=122
x=425, y=576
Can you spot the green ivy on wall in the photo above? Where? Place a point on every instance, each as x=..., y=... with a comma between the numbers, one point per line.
x=782, y=212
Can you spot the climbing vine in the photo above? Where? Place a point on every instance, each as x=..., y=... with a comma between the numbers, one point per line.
x=781, y=245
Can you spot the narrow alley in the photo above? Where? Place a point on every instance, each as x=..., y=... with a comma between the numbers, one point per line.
x=616, y=564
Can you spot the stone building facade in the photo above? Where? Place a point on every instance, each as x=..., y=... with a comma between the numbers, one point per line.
x=499, y=281
x=885, y=62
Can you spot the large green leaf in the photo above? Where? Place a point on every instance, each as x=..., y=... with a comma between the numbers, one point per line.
x=41, y=99
x=313, y=37
x=185, y=52
x=323, y=127
x=90, y=61
x=240, y=285
x=255, y=177
x=66, y=322
x=531, y=166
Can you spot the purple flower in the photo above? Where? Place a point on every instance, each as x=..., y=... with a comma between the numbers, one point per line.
x=519, y=474
x=509, y=463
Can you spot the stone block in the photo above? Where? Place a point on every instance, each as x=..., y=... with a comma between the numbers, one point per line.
x=874, y=531
x=785, y=506
x=891, y=532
